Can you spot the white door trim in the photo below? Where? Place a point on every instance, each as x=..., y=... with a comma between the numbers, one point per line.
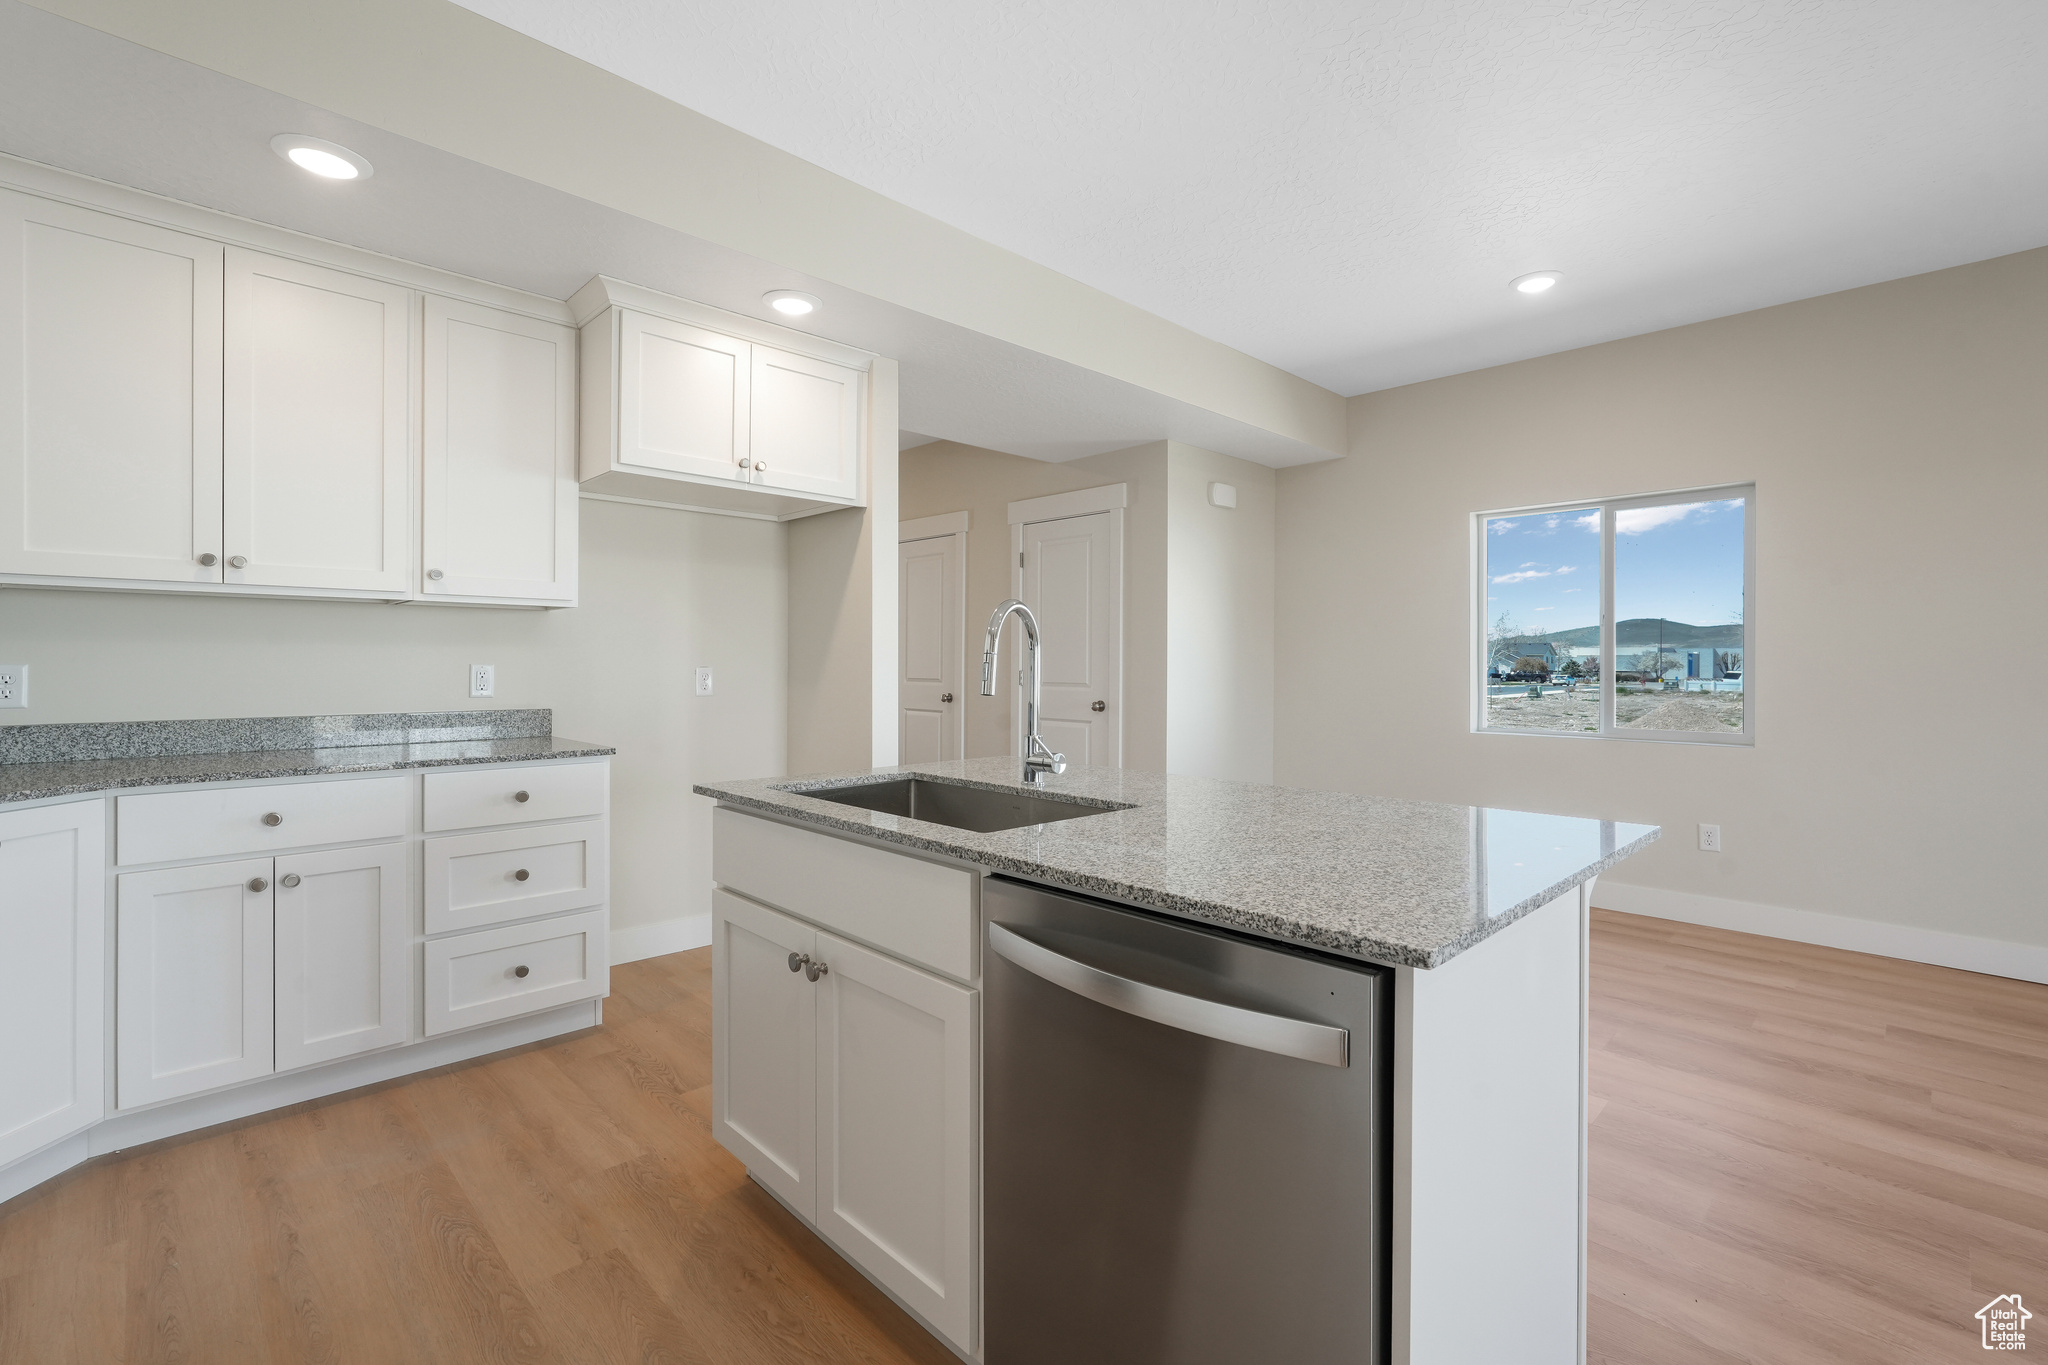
x=1015, y=658
x=924, y=528
x=1111, y=497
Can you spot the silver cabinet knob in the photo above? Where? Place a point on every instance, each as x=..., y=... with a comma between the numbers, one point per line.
x=288, y=879
x=521, y=797
x=1098, y=706
x=746, y=464
x=273, y=819
x=238, y=561
x=521, y=875
x=760, y=464
x=797, y=961
x=434, y=574
x=946, y=697
x=814, y=970
x=209, y=559
x=258, y=884
x=519, y=971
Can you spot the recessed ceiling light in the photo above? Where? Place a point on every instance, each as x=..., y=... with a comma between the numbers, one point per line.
x=791, y=302
x=330, y=160
x=1537, y=282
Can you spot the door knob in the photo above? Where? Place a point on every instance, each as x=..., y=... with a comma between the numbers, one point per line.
x=947, y=698
x=238, y=561
x=258, y=884
x=1098, y=706
x=273, y=819
x=209, y=559
x=521, y=875
x=288, y=879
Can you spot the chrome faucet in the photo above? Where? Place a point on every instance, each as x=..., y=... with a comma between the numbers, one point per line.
x=1039, y=759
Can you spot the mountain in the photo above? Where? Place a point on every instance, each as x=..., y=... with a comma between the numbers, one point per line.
x=1642, y=630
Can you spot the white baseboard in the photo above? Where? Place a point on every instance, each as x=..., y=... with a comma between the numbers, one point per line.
x=660, y=938
x=1992, y=957
x=31, y=1171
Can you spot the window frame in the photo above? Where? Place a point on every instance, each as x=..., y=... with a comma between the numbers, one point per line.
x=1607, y=507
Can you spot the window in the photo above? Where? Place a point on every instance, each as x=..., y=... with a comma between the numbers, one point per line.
x=1622, y=618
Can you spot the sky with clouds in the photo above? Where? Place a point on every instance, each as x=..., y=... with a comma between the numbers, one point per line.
x=1680, y=561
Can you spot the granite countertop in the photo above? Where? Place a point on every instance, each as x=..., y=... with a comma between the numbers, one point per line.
x=1411, y=883
x=42, y=761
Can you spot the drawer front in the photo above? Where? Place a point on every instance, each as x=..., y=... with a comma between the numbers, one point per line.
x=477, y=978
x=226, y=822
x=920, y=911
x=475, y=880
x=506, y=796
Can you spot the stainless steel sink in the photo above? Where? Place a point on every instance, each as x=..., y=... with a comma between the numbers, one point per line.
x=946, y=803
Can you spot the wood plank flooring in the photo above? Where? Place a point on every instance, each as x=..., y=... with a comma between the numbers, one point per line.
x=1799, y=1155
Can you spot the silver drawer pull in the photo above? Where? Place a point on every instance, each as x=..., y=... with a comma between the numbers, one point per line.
x=519, y=971
x=288, y=879
x=521, y=797
x=1189, y=1013
x=258, y=884
x=209, y=559
x=521, y=875
x=273, y=819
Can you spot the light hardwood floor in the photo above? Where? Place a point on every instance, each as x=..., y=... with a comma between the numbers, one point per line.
x=1798, y=1155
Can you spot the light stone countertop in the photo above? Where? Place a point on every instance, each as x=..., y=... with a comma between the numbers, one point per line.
x=1411, y=883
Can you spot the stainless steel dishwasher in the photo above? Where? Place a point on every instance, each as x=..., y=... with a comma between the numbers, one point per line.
x=1185, y=1142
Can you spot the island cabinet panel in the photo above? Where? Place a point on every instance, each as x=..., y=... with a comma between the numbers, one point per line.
x=193, y=980
x=764, y=1031
x=110, y=389
x=52, y=922
x=918, y=910
x=895, y=1145
x=316, y=423
x=343, y=943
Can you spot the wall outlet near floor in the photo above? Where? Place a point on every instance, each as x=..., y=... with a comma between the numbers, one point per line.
x=483, y=680
x=13, y=686
x=703, y=682
x=1710, y=838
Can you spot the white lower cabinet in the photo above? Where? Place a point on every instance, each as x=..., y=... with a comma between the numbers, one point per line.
x=343, y=940
x=845, y=1080
x=52, y=918
x=498, y=973
x=193, y=980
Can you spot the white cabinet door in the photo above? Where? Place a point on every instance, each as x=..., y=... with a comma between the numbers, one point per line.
x=683, y=397
x=52, y=1011
x=110, y=420
x=318, y=399
x=193, y=980
x=806, y=427
x=895, y=1076
x=763, y=1106
x=498, y=456
x=344, y=940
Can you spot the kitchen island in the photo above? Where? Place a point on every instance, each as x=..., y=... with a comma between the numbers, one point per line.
x=867, y=1121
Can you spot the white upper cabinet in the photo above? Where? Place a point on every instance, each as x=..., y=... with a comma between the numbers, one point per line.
x=806, y=426
x=499, y=495
x=691, y=405
x=317, y=461
x=110, y=388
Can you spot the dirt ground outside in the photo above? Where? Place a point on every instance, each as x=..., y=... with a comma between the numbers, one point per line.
x=1580, y=711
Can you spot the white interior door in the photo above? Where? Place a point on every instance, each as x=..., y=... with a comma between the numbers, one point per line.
x=895, y=1128
x=498, y=455
x=763, y=1101
x=315, y=429
x=343, y=948
x=683, y=402
x=193, y=979
x=806, y=428
x=931, y=583
x=110, y=372
x=1071, y=577
x=52, y=1077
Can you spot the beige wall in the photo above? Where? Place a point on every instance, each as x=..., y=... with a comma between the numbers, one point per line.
x=1898, y=438
x=947, y=477
x=1219, y=717
x=663, y=592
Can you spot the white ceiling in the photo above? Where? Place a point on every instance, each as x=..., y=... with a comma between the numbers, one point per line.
x=1344, y=189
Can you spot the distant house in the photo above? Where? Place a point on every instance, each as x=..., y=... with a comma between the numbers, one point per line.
x=1505, y=656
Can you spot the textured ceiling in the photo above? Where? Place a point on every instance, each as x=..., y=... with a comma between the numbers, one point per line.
x=1344, y=189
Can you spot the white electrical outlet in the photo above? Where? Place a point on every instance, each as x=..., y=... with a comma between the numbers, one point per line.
x=483, y=680
x=703, y=682
x=13, y=686
x=1710, y=838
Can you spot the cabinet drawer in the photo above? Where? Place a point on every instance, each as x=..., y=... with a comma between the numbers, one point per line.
x=479, y=879
x=477, y=978
x=223, y=822
x=920, y=911
x=505, y=796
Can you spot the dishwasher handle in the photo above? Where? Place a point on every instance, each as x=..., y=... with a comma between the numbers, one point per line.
x=1189, y=1013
